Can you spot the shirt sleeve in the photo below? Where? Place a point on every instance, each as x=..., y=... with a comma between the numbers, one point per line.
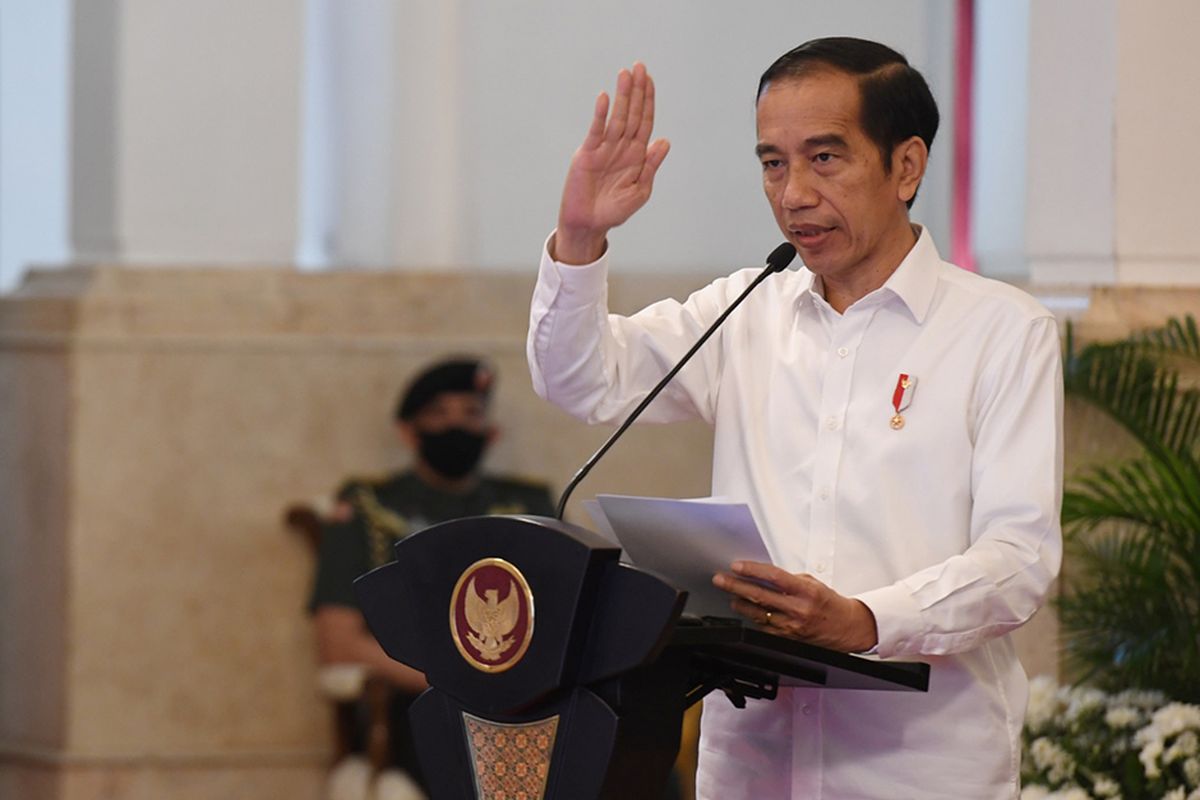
x=598, y=366
x=341, y=557
x=1005, y=574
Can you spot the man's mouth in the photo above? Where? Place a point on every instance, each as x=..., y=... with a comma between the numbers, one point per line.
x=809, y=234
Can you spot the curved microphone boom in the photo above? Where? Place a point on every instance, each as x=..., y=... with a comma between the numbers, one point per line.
x=777, y=261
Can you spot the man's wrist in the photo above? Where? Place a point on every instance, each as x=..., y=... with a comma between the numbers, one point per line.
x=866, y=630
x=577, y=248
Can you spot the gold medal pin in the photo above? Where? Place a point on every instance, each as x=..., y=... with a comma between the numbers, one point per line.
x=902, y=397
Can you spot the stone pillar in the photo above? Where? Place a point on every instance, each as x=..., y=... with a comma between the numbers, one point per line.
x=154, y=425
x=153, y=639
x=1069, y=209
x=433, y=190
x=384, y=135
x=34, y=118
x=1155, y=151
x=186, y=131
x=1113, y=164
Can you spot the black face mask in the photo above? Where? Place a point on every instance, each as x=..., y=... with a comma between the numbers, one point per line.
x=452, y=453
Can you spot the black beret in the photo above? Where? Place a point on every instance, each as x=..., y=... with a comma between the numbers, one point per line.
x=453, y=375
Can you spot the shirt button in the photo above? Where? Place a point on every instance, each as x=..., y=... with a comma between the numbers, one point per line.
x=807, y=710
x=824, y=494
x=822, y=566
x=831, y=423
x=843, y=351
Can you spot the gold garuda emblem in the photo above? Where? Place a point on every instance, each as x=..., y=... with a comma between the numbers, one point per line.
x=491, y=615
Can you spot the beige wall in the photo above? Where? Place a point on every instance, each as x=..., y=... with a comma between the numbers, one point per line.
x=34, y=444
x=155, y=424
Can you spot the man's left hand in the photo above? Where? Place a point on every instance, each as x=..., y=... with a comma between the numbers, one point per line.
x=798, y=606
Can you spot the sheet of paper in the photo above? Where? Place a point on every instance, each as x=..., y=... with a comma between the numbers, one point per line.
x=686, y=542
x=601, y=524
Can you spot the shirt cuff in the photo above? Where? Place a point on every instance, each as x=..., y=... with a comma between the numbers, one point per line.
x=897, y=620
x=576, y=286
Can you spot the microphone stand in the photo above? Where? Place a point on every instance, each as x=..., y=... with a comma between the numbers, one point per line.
x=776, y=262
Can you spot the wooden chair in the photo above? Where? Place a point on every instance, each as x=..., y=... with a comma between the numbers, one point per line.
x=351, y=687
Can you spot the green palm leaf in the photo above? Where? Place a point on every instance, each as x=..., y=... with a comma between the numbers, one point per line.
x=1177, y=336
x=1132, y=382
x=1131, y=619
x=1131, y=614
x=1159, y=494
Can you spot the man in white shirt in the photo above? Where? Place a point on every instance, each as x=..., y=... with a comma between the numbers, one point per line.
x=893, y=422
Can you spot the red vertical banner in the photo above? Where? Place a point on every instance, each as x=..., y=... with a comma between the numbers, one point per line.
x=961, y=249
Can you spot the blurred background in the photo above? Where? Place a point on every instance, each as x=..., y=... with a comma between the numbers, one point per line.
x=229, y=230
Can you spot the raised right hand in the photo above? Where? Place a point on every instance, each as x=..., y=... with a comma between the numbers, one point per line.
x=612, y=172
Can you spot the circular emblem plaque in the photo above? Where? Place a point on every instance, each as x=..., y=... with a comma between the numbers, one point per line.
x=491, y=615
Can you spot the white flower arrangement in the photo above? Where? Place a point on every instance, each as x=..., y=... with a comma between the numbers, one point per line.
x=1083, y=744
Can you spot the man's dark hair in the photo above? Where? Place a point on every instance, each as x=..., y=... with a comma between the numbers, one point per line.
x=896, y=103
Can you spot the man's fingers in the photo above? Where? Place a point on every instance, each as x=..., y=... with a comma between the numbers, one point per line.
x=620, y=107
x=769, y=573
x=751, y=611
x=646, y=123
x=632, y=115
x=655, y=154
x=637, y=99
x=748, y=590
x=595, y=133
x=788, y=583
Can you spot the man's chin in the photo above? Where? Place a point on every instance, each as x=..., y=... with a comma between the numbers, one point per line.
x=818, y=260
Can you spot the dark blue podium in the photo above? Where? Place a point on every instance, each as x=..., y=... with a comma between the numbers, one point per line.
x=558, y=672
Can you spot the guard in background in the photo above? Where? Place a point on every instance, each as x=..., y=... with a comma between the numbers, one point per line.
x=443, y=418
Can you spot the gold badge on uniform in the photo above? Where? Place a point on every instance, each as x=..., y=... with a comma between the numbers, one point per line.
x=491, y=615
x=902, y=397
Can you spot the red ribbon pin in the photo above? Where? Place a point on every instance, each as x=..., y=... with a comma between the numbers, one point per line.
x=901, y=398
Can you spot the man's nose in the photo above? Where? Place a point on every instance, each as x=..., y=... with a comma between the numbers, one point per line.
x=799, y=191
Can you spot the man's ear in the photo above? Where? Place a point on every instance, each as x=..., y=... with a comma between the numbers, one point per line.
x=408, y=435
x=492, y=434
x=909, y=160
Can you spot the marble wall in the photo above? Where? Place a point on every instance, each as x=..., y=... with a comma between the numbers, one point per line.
x=154, y=423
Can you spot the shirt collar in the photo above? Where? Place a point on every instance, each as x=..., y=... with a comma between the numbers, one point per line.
x=914, y=281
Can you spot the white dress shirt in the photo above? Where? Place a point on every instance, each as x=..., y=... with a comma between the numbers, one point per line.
x=947, y=527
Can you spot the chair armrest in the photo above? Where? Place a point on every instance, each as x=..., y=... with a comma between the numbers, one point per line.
x=342, y=682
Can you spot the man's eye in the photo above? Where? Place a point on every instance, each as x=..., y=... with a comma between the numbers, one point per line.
x=823, y=158
x=771, y=163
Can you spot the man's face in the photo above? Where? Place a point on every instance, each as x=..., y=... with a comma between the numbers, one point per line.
x=466, y=410
x=825, y=179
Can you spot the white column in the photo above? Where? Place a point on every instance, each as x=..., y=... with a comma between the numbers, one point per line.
x=381, y=186
x=1072, y=73
x=186, y=130
x=34, y=59
x=360, y=69
x=1113, y=160
x=1001, y=105
x=433, y=191
x=1157, y=146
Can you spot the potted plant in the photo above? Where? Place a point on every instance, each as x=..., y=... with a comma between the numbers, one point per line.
x=1130, y=613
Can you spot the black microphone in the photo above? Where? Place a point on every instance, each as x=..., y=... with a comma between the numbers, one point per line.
x=776, y=262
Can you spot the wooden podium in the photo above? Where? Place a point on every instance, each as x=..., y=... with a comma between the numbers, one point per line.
x=558, y=672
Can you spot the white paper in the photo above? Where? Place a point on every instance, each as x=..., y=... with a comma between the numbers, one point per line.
x=601, y=524
x=686, y=542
